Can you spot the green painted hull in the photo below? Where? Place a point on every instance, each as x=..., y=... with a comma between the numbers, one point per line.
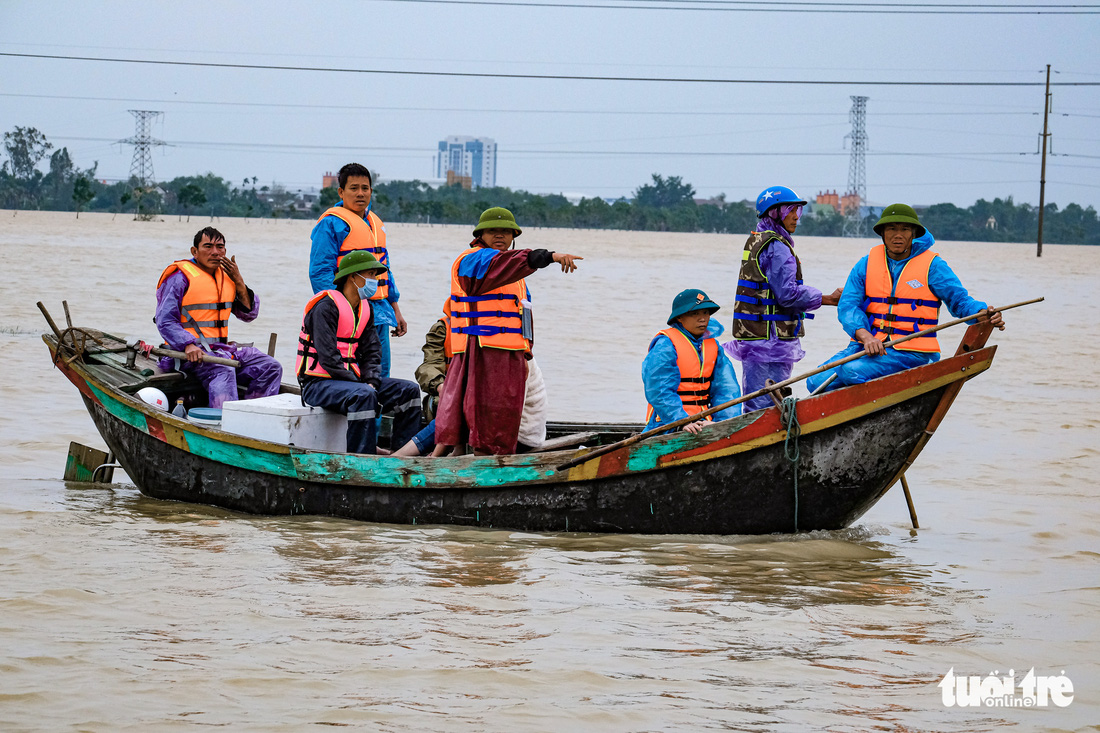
x=731, y=478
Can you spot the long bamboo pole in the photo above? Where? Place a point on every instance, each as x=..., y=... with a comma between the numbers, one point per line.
x=182, y=356
x=909, y=502
x=209, y=359
x=605, y=449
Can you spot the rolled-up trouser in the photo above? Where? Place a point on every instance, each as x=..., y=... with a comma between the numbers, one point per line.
x=360, y=402
x=425, y=439
x=869, y=367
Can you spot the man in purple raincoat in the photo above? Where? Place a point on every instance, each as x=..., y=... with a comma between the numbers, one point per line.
x=194, y=299
x=772, y=301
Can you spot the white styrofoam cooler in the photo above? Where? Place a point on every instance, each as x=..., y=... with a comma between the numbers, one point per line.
x=282, y=418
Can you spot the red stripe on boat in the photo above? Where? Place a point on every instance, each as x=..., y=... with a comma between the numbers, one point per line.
x=156, y=428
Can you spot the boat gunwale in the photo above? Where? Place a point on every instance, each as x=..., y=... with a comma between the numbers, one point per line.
x=743, y=433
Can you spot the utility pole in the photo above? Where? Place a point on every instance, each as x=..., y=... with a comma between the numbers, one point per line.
x=141, y=167
x=1043, y=170
x=857, y=169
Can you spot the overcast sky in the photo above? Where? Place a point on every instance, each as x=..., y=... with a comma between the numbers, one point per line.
x=927, y=144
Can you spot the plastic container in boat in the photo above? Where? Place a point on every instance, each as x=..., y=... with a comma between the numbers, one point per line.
x=207, y=417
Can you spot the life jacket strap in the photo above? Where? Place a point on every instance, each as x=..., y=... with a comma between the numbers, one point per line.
x=755, y=301
x=198, y=334
x=486, y=314
x=207, y=306
x=754, y=285
x=479, y=298
x=480, y=330
x=891, y=317
x=776, y=317
x=914, y=303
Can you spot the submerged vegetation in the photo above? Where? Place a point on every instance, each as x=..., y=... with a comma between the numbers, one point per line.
x=663, y=204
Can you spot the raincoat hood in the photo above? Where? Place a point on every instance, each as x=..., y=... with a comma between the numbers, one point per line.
x=921, y=244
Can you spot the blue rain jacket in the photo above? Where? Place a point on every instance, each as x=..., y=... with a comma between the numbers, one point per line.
x=326, y=238
x=942, y=280
x=661, y=377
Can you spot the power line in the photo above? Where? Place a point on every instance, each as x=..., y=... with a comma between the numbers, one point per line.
x=539, y=151
x=839, y=3
x=553, y=77
x=805, y=7
x=1086, y=185
x=1025, y=112
x=665, y=64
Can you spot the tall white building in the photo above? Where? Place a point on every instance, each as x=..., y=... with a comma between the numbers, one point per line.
x=475, y=157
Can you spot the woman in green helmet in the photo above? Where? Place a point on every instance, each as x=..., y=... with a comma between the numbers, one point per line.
x=489, y=335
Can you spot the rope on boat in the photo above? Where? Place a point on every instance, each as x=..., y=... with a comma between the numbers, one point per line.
x=789, y=417
x=72, y=343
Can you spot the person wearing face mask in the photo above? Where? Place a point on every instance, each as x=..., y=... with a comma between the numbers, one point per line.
x=772, y=301
x=339, y=358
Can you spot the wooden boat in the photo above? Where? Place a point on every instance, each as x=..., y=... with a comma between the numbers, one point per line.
x=733, y=477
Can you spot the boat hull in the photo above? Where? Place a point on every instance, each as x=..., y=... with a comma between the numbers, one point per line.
x=841, y=474
x=735, y=477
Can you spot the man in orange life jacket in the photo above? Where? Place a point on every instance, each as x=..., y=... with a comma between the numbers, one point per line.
x=894, y=291
x=685, y=371
x=481, y=402
x=348, y=227
x=194, y=300
x=338, y=358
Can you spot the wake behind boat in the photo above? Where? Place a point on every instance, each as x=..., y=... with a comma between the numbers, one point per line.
x=746, y=475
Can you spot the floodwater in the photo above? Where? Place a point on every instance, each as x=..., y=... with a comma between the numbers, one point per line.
x=120, y=612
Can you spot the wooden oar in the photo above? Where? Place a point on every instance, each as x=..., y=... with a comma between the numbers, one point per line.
x=182, y=356
x=603, y=450
x=909, y=502
x=208, y=358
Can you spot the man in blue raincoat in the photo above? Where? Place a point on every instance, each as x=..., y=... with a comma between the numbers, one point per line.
x=686, y=371
x=351, y=226
x=894, y=291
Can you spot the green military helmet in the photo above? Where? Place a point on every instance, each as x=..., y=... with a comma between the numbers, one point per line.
x=357, y=261
x=899, y=214
x=690, y=300
x=497, y=218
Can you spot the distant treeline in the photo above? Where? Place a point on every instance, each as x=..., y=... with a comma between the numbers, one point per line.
x=663, y=204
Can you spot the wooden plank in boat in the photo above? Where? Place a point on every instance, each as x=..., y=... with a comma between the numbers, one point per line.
x=567, y=441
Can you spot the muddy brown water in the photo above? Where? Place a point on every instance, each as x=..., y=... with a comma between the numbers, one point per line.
x=120, y=612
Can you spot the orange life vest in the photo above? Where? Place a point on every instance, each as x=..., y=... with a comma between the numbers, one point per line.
x=695, y=373
x=905, y=307
x=367, y=237
x=207, y=303
x=496, y=317
x=349, y=328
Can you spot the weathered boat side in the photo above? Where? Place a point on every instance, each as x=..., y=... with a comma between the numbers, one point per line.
x=733, y=478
